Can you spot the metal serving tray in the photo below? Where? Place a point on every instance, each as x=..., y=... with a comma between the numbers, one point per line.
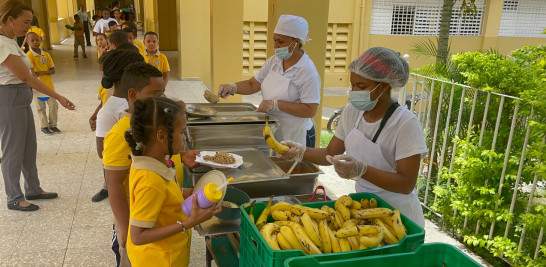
x=223, y=113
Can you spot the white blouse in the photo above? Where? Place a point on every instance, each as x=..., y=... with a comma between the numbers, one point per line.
x=10, y=47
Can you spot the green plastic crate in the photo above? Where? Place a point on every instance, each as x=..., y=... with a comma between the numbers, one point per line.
x=254, y=251
x=427, y=255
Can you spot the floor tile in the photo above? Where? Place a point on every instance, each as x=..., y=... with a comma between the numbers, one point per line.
x=89, y=236
x=47, y=258
x=92, y=256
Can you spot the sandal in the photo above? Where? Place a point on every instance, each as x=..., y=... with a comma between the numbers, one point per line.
x=16, y=206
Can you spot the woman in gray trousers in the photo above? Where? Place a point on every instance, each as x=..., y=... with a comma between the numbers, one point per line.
x=17, y=130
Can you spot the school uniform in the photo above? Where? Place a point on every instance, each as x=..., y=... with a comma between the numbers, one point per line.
x=43, y=62
x=141, y=48
x=155, y=201
x=158, y=60
x=39, y=32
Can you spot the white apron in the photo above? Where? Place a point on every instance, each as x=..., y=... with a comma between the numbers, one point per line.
x=363, y=149
x=275, y=86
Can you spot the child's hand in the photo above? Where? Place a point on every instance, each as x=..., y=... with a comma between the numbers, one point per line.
x=188, y=158
x=199, y=215
x=34, y=74
x=93, y=122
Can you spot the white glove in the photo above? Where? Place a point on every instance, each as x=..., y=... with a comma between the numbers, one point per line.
x=226, y=90
x=267, y=106
x=347, y=167
x=295, y=152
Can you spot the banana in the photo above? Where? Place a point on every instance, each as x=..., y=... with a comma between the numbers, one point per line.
x=263, y=217
x=372, y=241
x=283, y=242
x=268, y=232
x=345, y=200
x=369, y=229
x=294, y=218
x=325, y=236
x=280, y=206
x=373, y=203
x=316, y=213
x=280, y=215
x=347, y=231
x=364, y=203
x=304, y=239
x=354, y=213
x=311, y=230
x=353, y=230
x=334, y=241
x=344, y=244
x=282, y=223
x=353, y=241
x=325, y=208
x=271, y=141
x=343, y=210
x=374, y=213
x=290, y=236
x=387, y=234
x=250, y=213
x=349, y=223
x=297, y=209
x=339, y=219
x=362, y=246
x=355, y=205
x=397, y=226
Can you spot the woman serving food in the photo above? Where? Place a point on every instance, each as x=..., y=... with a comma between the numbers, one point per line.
x=288, y=81
x=383, y=141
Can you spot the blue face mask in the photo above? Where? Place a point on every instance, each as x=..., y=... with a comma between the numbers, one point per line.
x=283, y=53
x=361, y=99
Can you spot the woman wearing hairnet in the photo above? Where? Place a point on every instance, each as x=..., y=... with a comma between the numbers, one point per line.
x=383, y=141
x=288, y=81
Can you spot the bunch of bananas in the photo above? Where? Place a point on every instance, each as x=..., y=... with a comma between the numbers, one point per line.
x=270, y=139
x=351, y=225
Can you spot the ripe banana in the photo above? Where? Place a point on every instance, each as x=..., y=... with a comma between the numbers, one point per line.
x=316, y=213
x=334, y=241
x=356, y=205
x=250, y=214
x=374, y=213
x=297, y=209
x=304, y=239
x=343, y=210
x=397, y=226
x=349, y=223
x=347, y=231
x=283, y=223
x=283, y=242
x=353, y=241
x=325, y=236
x=345, y=200
x=339, y=219
x=290, y=236
x=281, y=215
x=387, y=234
x=263, y=217
x=373, y=203
x=357, y=230
x=344, y=244
x=280, y=206
x=372, y=241
x=268, y=232
x=294, y=218
x=311, y=230
x=365, y=203
x=354, y=213
x=271, y=141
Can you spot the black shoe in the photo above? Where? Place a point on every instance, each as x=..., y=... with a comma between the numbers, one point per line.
x=75, y=56
x=100, y=196
x=16, y=206
x=46, y=130
x=55, y=130
x=84, y=56
x=43, y=196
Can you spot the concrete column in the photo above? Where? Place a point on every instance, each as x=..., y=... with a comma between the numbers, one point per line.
x=491, y=25
x=316, y=14
x=226, y=43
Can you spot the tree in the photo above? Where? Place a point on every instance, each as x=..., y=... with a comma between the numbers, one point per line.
x=467, y=7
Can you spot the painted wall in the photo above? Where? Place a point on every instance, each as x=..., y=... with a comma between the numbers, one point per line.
x=167, y=25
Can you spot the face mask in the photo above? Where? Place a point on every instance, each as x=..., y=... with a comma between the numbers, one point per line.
x=361, y=99
x=283, y=52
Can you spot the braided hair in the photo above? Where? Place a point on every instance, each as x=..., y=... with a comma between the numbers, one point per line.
x=148, y=115
x=113, y=62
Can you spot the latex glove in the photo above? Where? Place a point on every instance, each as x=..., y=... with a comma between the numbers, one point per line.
x=267, y=106
x=226, y=90
x=347, y=167
x=295, y=152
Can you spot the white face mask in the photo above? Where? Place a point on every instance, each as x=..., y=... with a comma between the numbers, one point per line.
x=361, y=99
x=283, y=53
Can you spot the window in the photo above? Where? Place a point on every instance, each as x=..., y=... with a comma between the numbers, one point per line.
x=337, y=48
x=422, y=17
x=523, y=18
x=254, y=46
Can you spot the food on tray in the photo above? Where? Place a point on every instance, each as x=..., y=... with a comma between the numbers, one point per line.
x=221, y=158
x=350, y=225
x=211, y=97
x=229, y=204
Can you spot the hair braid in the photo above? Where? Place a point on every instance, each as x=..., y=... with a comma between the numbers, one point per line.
x=113, y=63
x=169, y=123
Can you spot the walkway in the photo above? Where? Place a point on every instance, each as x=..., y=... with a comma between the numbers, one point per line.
x=71, y=230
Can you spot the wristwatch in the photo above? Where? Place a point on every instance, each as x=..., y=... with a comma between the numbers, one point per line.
x=183, y=227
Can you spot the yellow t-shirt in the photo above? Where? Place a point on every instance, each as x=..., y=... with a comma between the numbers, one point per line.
x=159, y=60
x=141, y=48
x=78, y=33
x=42, y=62
x=39, y=32
x=115, y=155
x=155, y=201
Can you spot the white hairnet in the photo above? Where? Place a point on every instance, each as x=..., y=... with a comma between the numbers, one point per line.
x=381, y=64
x=293, y=26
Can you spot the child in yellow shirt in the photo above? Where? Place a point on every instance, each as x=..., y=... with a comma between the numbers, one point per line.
x=132, y=37
x=35, y=28
x=158, y=229
x=154, y=57
x=42, y=66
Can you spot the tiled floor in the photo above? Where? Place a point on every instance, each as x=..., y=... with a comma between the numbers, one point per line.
x=71, y=230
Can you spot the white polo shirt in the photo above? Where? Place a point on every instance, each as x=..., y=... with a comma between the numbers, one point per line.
x=110, y=114
x=99, y=26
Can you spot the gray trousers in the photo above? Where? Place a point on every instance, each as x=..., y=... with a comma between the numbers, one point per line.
x=18, y=135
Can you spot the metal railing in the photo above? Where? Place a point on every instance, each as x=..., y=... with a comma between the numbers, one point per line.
x=449, y=112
